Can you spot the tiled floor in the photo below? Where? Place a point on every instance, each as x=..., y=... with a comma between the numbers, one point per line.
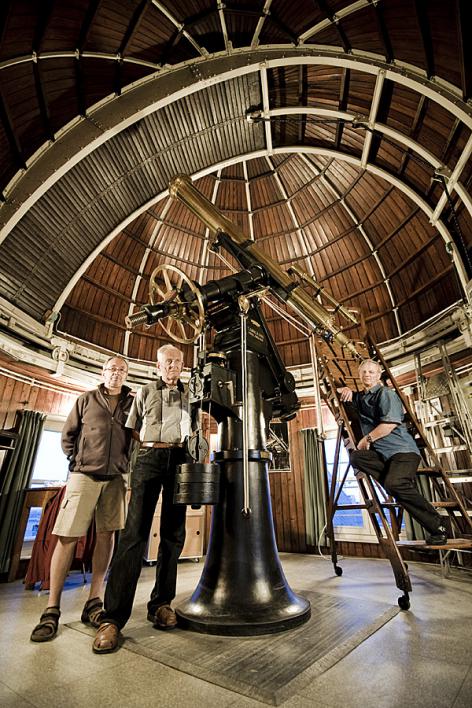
x=421, y=658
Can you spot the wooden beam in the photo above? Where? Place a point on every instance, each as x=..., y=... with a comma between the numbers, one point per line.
x=342, y=104
x=464, y=23
x=421, y=8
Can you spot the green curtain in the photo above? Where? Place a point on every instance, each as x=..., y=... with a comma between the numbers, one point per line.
x=315, y=489
x=15, y=480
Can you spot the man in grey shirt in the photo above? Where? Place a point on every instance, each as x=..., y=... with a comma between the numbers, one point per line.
x=387, y=451
x=160, y=421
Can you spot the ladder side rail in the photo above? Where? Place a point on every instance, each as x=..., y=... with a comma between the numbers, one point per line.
x=373, y=505
x=334, y=481
x=462, y=410
x=436, y=463
x=331, y=509
x=459, y=504
x=387, y=542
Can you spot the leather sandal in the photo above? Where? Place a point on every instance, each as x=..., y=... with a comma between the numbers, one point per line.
x=46, y=629
x=108, y=639
x=93, y=612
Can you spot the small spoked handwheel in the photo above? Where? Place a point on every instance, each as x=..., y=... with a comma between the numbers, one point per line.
x=169, y=284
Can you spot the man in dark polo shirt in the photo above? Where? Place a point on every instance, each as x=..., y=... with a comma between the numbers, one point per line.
x=160, y=420
x=387, y=451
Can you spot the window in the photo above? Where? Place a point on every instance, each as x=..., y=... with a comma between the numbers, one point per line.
x=350, y=492
x=51, y=467
x=349, y=524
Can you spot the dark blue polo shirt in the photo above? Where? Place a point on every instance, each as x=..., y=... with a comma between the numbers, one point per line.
x=383, y=405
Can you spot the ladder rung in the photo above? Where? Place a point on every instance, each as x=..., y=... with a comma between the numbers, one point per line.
x=452, y=476
x=445, y=504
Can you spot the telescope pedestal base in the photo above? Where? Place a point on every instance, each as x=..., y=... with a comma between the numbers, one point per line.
x=193, y=616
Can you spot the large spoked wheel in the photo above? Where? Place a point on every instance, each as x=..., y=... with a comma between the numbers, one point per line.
x=169, y=284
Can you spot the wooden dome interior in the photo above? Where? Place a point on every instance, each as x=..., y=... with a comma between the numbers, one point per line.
x=336, y=134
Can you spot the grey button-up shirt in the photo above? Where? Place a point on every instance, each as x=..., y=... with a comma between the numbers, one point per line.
x=383, y=405
x=161, y=414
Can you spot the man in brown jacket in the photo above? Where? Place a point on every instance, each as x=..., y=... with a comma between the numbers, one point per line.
x=97, y=445
x=160, y=420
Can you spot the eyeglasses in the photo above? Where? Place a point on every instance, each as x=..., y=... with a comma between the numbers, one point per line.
x=116, y=370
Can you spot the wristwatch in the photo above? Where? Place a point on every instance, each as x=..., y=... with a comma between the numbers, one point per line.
x=369, y=439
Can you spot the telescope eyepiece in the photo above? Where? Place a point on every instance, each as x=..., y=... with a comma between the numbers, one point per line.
x=148, y=315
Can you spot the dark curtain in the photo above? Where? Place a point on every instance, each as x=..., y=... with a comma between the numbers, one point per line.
x=15, y=480
x=315, y=489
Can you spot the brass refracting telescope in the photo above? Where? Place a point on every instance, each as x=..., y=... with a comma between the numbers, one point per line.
x=242, y=589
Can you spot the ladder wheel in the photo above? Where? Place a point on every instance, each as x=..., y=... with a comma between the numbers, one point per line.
x=404, y=602
x=338, y=570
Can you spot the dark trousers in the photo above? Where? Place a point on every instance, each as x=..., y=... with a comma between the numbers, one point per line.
x=398, y=477
x=154, y=470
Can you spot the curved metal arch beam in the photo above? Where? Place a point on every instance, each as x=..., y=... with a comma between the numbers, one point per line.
x=291, y=211
x=265, y=12
x=206, y=242
x=339, y=15
x=113, y=114
x=452, y=180
x=362, y=122
x=416, y=198
x=147, y=252
x=36, y=57
x=373, y=252
x=250, y=211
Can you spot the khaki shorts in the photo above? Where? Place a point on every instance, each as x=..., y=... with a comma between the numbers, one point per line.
x=85, y=497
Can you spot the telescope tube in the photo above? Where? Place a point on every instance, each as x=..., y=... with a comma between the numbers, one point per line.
x=182, y=188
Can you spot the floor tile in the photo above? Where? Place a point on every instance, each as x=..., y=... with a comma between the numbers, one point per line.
x=420, y=658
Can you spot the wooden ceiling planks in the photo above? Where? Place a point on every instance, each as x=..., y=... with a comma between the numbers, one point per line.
x=363, y=237
x=344, y=266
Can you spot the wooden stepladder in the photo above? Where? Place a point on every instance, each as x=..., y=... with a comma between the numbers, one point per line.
x=445, y=495
x=374, y=499
x=384, y=513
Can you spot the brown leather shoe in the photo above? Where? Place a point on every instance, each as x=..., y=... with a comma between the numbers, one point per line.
x=165, y=617
x=107, y=639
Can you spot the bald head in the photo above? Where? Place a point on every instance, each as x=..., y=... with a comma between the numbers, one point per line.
x=170, y=362
x=369, y=373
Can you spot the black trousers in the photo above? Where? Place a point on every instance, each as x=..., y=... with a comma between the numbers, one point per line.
x=397, y=475
x=154, y=471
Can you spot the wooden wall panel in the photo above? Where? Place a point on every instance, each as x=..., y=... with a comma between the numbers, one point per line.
x=17, y=395
x=286, y=488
